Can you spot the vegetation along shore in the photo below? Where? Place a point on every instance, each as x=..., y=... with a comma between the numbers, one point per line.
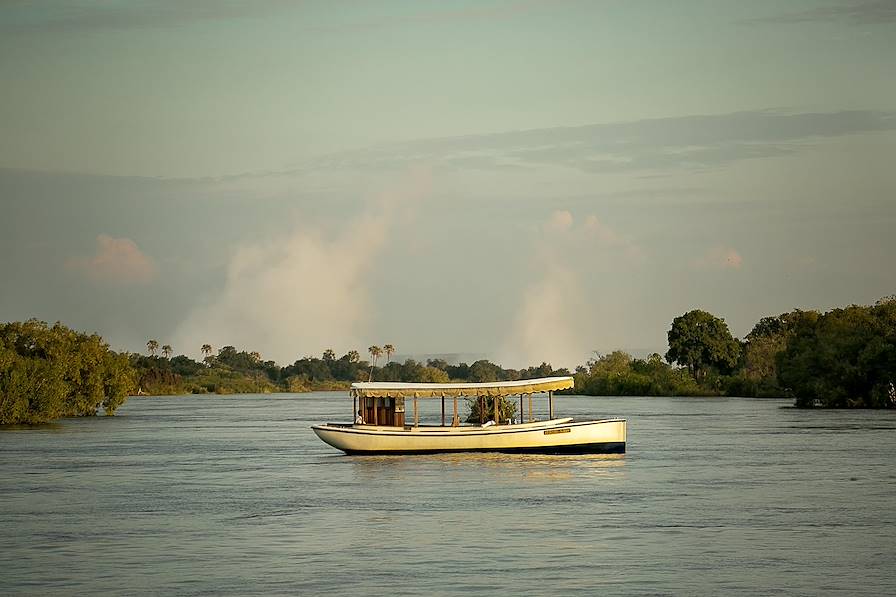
x=844, y=358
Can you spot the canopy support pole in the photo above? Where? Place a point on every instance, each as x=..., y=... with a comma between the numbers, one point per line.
x=521, y=408
x=454, y=421
x=416, y=418
x=376, y=411
x=497, y=419
x=481, y=410
x=354, y=408
x=550, y=404
x=443, y=410
x=530, y=408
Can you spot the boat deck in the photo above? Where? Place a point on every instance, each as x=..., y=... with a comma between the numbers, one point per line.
x=449, y=429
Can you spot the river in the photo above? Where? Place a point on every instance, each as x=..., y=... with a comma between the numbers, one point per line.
x=235, y=495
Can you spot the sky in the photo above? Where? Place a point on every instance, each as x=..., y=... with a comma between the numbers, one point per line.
x=524, y=180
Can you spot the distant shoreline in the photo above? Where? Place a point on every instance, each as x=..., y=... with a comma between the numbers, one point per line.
x=323, y=387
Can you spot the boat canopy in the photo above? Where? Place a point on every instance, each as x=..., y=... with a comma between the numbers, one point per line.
x=391, y=389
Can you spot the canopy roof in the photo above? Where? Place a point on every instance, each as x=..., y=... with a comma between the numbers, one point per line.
x=391, y=389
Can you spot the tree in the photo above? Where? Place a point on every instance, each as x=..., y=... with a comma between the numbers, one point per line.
x=51, y=372
x=329, y=355
x=228, y=355
x=484, y=371
x=845, y=358
x=255, y=355
x=353, y=356
x=701, y=341
x=375, y=352
x=183, y=365
x=152, y=346
x=762, y=346
x=411, y=371
x=543, y=370
x=389, y=350
x=615, y=363
x=438, y=364
x=506, y=409
x=432, y=375
x=207, y=350
x=166, y=351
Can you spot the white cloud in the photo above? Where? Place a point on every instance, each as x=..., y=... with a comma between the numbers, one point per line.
x=681, y=143
x=609, y=239
x=303, y=292
x=547, y=326
x=117, y=260
x=603, y=233
x=560, y=221
x=719, y=258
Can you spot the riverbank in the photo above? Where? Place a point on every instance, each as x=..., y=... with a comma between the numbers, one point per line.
x=239, y=386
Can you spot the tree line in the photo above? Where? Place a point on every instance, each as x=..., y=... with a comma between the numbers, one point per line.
x=845, y=358
x=234, y=371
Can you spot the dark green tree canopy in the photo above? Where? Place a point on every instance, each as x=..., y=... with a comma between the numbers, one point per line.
x=483, y=371
x=700, y=341
x=780, y=325
x=52, y=372
x=844, y=358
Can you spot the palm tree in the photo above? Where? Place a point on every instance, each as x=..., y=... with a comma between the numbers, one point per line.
x=152, y=346
x=166, y=351
x=206, y=349
x=353, y=356
x=256, y=356
x=389, y=350
x=375, y=352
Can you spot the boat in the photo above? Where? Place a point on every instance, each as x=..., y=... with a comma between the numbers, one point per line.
x=380, y=427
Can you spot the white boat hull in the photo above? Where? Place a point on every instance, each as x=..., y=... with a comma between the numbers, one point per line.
x=557, y=436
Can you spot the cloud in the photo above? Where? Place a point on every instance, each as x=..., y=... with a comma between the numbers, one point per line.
x=88, y=15
x=719, y=258
x=663, y=144
x=869, y=12
x=560, y=221
x=564, y=235
x=117, y=260
x=546, y=326
x=553, y=318
x=305, y=291
x=606, y=235
x=454, y=15
x=608, y=238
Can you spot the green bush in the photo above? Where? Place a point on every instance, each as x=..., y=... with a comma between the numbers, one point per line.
x=52, y=372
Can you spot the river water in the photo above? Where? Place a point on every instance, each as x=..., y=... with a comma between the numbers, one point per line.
x=206, y=495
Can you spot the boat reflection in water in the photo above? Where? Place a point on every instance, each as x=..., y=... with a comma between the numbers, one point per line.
x=380, y=426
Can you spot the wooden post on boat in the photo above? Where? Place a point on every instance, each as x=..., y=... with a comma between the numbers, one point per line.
x=416, y=418
x=521, y=408
x=481, y=410
x=454, y=420
x=530, y=408
x=354, y=408
x=497, y=419
x=550, y=405
x=443, y=410
x=376, y=409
